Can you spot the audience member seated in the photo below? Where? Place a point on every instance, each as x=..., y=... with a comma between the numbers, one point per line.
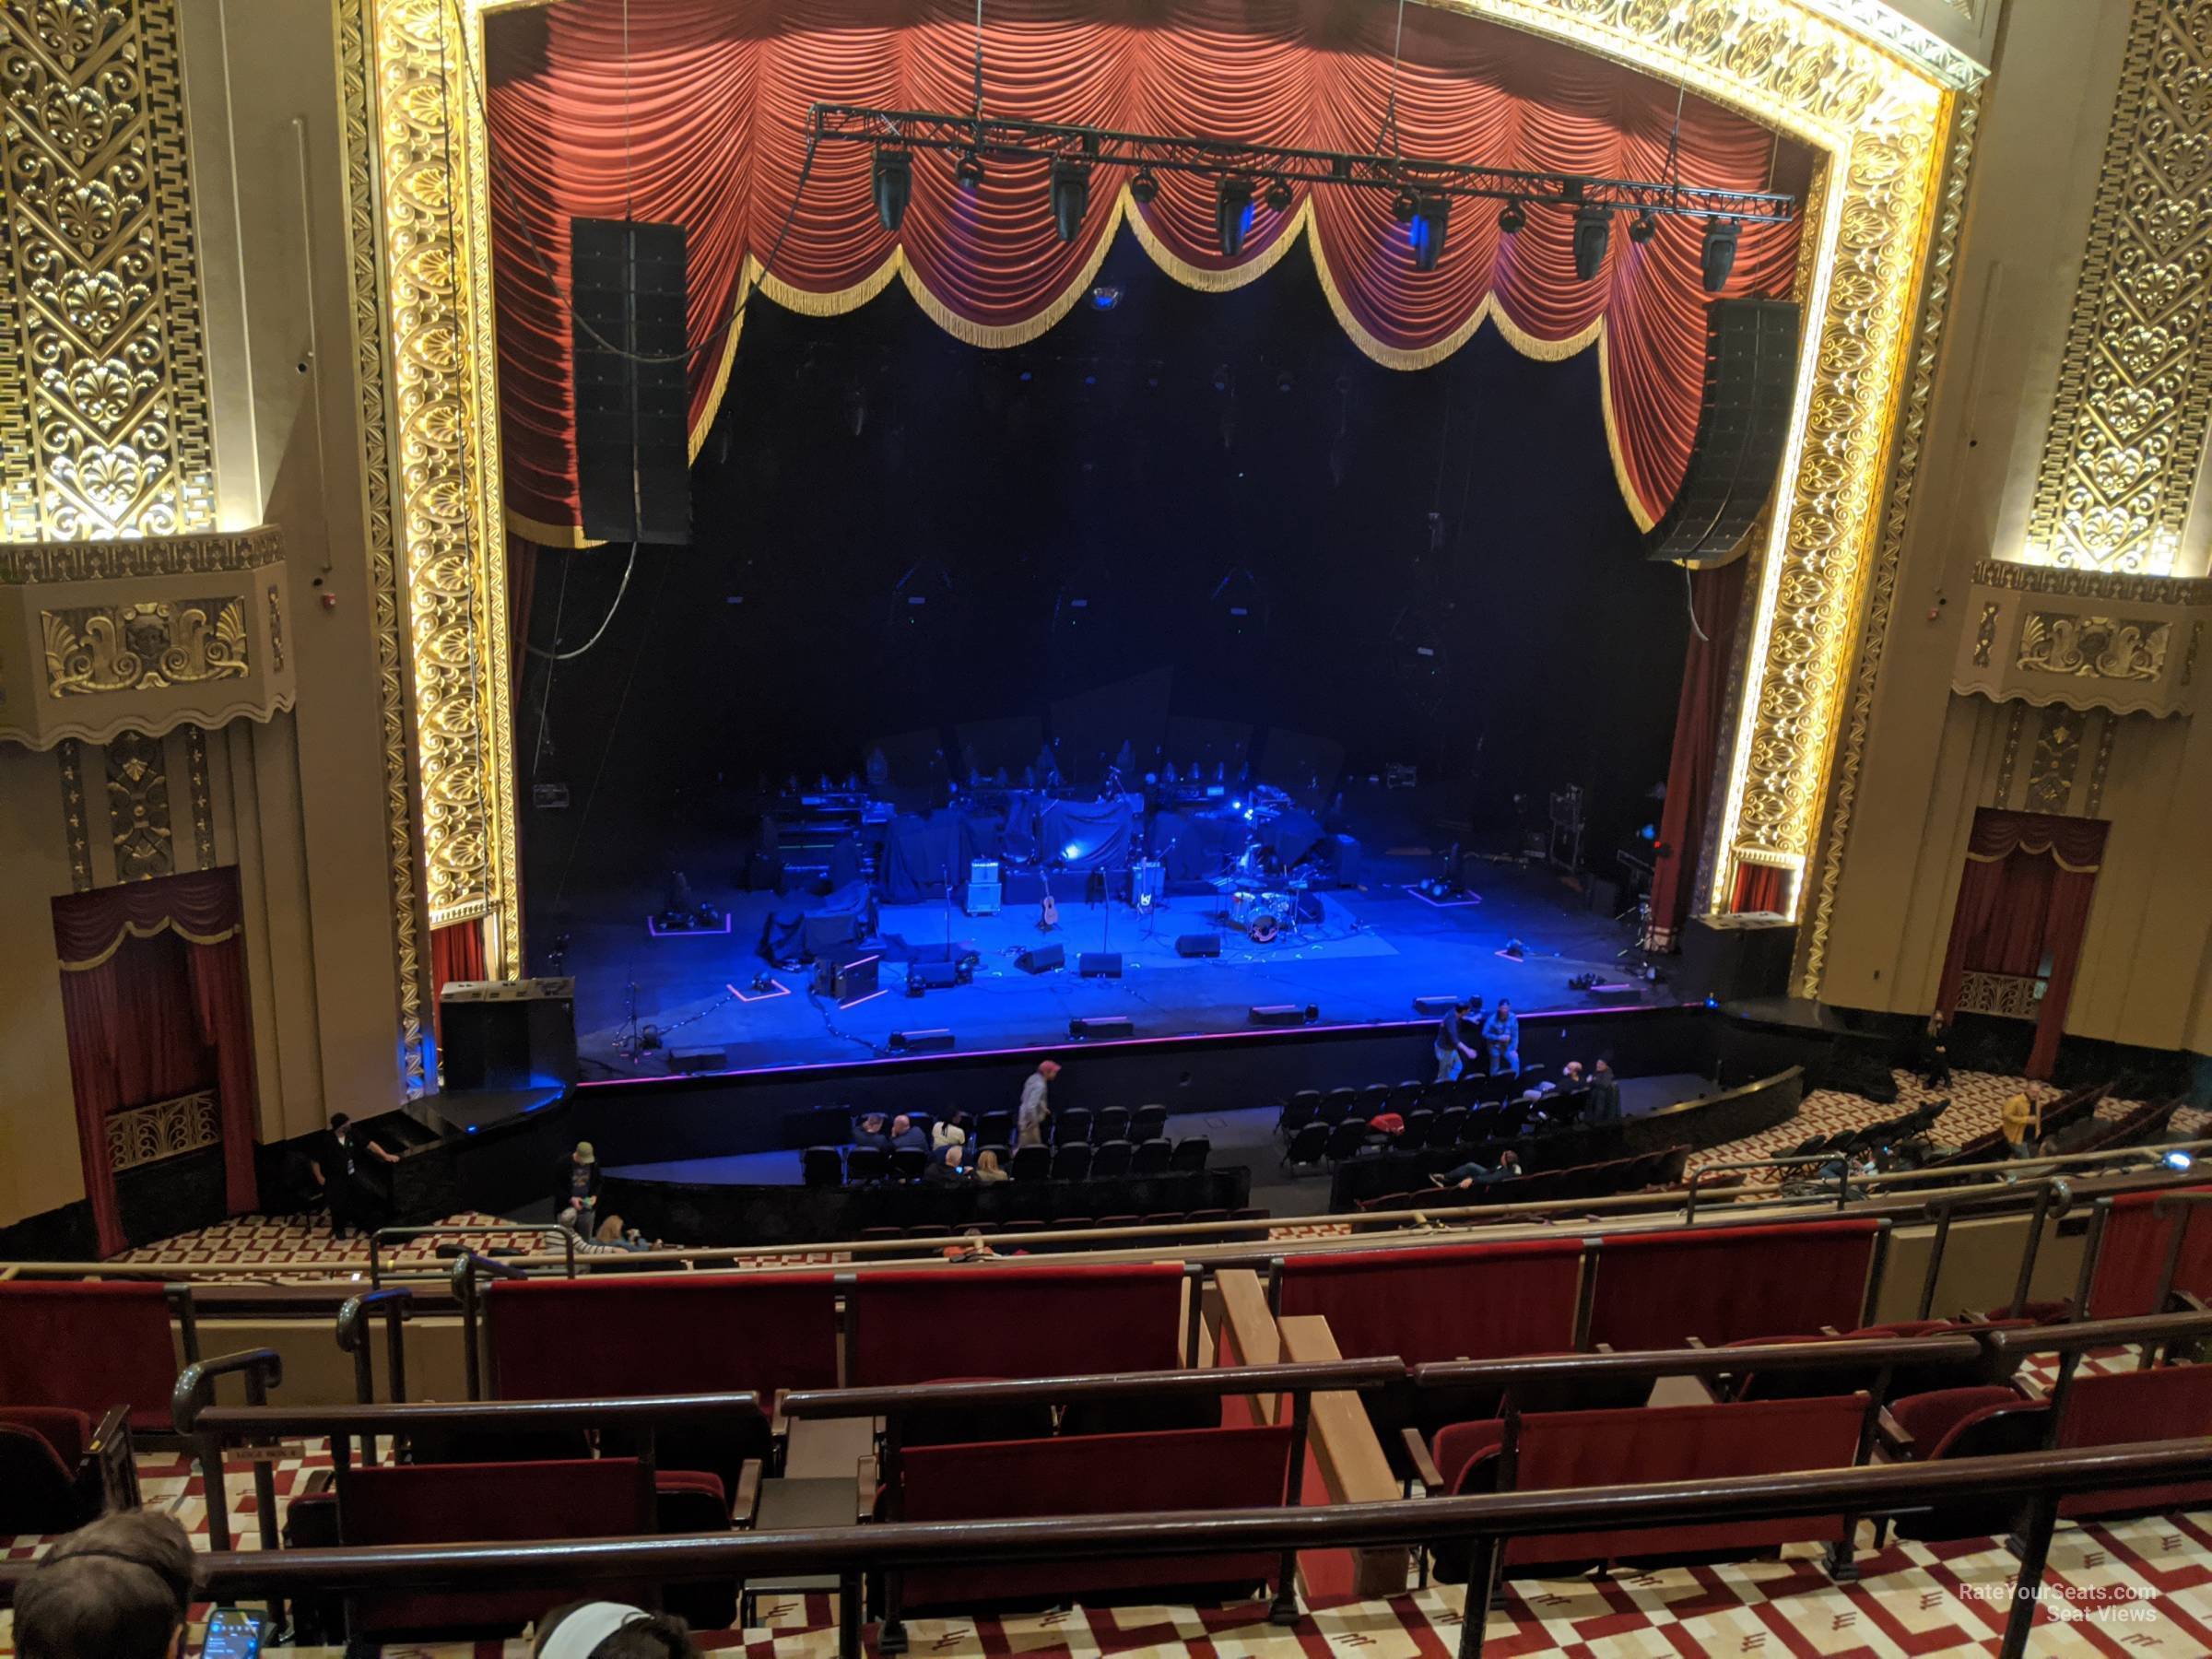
x=599, y=1629
x=1604, y=1094
x=117, y=1589
x=1475, y=1174
x=988, y=1168
x=871, y=1134
x=906, y=1138
x=946, y=1169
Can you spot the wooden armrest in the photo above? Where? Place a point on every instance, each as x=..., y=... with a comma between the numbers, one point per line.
x=746, y=1503
x=865, y=1488
x=2190, y=1302
x=1424, y=1466
x=2025, y=1386
x=1830, y=1330
x=111, y=1453
x=1891, y=1433
x=777, y=1423
x=1695, y=1342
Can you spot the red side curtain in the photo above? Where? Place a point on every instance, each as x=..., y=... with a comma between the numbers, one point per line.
x=456, y=953
x=154, y=1000
x=1716, y=600
x=2024, y=899
x=702, y=122
x=1760, y=888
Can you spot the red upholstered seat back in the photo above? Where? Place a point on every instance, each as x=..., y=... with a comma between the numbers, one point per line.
x=39, y=1453
x=1094, y=1475
x=66, y=1430
x=1658, y=1289
x=2134, y=1256
x=1683, y=1443
x=663, y=1333
x=1014, y=1321
x=1473, y=1301
x=2172, y=1402
x=88, y=1346
x=484, y=1503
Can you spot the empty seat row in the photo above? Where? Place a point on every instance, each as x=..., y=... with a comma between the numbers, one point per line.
x=1068, y=1160
x=1614, y=1177
x=1335, y=1105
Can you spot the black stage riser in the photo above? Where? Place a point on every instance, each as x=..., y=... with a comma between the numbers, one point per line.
x=660, y=1118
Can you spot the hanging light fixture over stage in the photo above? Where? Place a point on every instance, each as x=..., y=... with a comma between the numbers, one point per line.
x=1232, y=214
x=1592, y=227
x=891, y=177
x=1073, y=152
x=1429, y=221
x=1642, y=228
x=1071, y=197
x=1717, y=256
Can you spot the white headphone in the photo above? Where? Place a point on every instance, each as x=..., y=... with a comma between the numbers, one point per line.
x=577, y=1635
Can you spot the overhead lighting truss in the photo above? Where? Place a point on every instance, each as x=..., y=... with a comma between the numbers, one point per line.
x=995, y=139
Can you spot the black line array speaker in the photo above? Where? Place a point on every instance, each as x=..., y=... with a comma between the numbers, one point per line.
x=633, y=427
x=507, y=1033
x=1750, y=371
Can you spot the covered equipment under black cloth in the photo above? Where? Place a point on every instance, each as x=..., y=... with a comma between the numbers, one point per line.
x=922, y=855
x=1092, y=835
x=795, y=934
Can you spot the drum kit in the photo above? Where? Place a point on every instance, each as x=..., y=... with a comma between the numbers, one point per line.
x=1265, y=917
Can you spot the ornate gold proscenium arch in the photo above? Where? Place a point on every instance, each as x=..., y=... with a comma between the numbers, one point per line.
x=1888, y=108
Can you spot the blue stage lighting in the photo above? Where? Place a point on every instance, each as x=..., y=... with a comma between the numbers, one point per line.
x=1649, y=832
x=1105, y=297
x=1236, y=806
x=2179, y=1160
x=1071, y=850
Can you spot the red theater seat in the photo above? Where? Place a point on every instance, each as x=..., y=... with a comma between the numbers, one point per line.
x=1721, y=1285
x=44, y=1484
x=1094, y=1475
x=446, y=1503
x=88, y=1347
x=2132, y=1259
x=1471, y=1301
x=691, y=1333
x=2168, y=1401
x=1645, y=1444
x=995, y=1321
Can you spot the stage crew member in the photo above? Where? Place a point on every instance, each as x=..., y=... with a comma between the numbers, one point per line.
x=337, y=1169
x=1029, y=1122
x=1501, y=1033
x=1452, y=1051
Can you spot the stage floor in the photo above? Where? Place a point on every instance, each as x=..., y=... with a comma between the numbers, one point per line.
x=1377, y=948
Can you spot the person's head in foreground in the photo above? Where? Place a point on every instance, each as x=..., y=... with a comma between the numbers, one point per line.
x=118, y=1588
x=598, y=1630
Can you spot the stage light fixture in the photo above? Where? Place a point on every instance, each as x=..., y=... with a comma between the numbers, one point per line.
x=1105, y=297
x=1278, y=195
x=1429, y=221
x=1404, y=206
x=1232, y=214
x=1718, y=253
x=969, y=173
x=1593, y=226
x=1642, y=228
x=1510, y=217
x=1071, y=197
x=1143, y=188
x=891, y=176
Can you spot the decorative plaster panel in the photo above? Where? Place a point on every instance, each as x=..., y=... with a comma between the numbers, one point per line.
x=2086, y=639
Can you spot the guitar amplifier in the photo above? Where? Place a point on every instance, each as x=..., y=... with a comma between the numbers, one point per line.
x=984, y=898
x=983, y=872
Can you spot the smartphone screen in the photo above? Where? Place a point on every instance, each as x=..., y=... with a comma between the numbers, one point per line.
x=231, y=1634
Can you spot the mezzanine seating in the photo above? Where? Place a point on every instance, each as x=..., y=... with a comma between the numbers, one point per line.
x=91, y=1347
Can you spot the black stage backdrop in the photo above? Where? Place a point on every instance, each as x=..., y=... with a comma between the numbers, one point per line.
x=1211, y=501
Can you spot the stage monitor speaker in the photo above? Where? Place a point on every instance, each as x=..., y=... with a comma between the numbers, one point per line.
x=1101, y=1025
x=1619, y=994
x=933, y=1041
x=1751, y=372
x=1099, y=964
x=507, y=1033
x=1282, y=1014
x=1438, y=1005
x=701, y=1059
x=1736, y=959
x=856, y=979
x=1041, y=958
x=1198, y=945
x=627, y=334
x=932, y=976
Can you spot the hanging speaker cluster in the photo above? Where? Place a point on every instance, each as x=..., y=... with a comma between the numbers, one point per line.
x=1750, y=371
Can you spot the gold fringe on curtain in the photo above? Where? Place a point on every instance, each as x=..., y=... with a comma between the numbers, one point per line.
x=131, y=930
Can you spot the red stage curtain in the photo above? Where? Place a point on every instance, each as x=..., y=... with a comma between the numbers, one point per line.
x=456, y=953
x=706, y=127
x=1760, y=888
x=1716, y=600
x=154, y=1000
x=2024, y=899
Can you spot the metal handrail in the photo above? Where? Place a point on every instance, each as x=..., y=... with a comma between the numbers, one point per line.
x=400, y=1235
x=1487, y=1520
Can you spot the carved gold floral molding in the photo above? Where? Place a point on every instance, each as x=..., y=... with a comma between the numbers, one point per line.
x=2084, y=639
x=2135, y=384
x=145, y=1134
x=143, y=647
x=103, y=412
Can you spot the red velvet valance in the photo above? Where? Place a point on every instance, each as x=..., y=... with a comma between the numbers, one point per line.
x=2074, y=844
x=706, y=126
x=89, y=927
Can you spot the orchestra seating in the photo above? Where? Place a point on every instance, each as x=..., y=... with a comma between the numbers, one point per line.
x=1065, y=1158
x=1610, y=1179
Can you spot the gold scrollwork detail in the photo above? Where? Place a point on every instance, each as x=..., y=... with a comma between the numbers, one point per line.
x=138, y=807
x=276, y=610
x=141, y=557
x=2134, y=385
x=2057, y=755
x=2007, y=995
x=2093, y=647
x=104, y=413
x=147, y=647
x=1986, y=633
x=2074, y=582
x=145, y=1134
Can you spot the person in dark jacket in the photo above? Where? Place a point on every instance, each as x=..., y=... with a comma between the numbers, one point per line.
x=1605, y=1095
x=340, y=1164
x=871, y=1133
x=905, y=1135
